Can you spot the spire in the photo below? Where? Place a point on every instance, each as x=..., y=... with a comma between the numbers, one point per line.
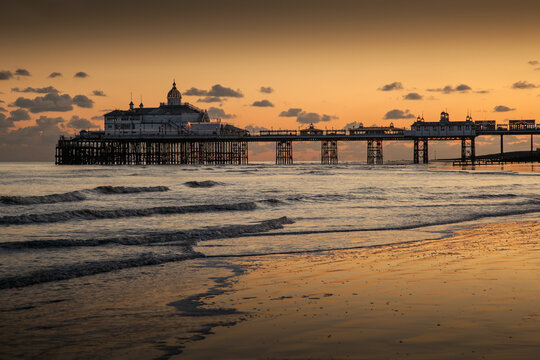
x=141, y=104
x=131, y=102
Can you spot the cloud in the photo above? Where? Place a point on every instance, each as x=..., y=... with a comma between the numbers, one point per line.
x=262, y=103
x=221, y=91
x=81, y=74
x=292, y=112
x=502, y=108
x=313, y=118
x=482, y=91
x=22, y=72
x=43, y=90
x=83, y=101
x=97, y=117
x=449, y=89
x=254, y=128
x=266, y=89
x=15, y=115
x=2, y=109
x=1, y=101
x=533, y=62
x=195, y=92
x=210, y=99
x=396, y=114
x=80, y=123
x=396, y=85
x=98, y=93
x=54, y=74
x=523, y=85
x=412, y=96
x=216, y=91
x=5, y=75
x=49, y=102
x=353, y=124
x=217, y=113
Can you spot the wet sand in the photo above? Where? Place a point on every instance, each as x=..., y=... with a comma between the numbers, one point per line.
x=475, y=295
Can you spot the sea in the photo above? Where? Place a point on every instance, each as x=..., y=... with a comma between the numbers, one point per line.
x=85, y=234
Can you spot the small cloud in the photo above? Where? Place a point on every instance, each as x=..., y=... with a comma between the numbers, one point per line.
x=523, y=85
x=313, y=118
x=449, y=89
x=262, y=103
x=254, y=128
x=97, y=117
x=16, y=115
x=292, y=112
x=412, y=96
x=80, y=123
x=393, y=86
x=98, y=93
x=22, y=72
x=210, y=99
x=81, y=74
x=354, y=124
x=195, y=92
x=266, y=89
x=2, y=109
x=502, y=108
x=54, y=74
x=43, y=90
x=5, y=75
x=482, y=91
x=533, y=62
x=49, y=102
x=396, y=114
x=217, y=113
x=19, y=114
x=221, y=91
x=83, y=101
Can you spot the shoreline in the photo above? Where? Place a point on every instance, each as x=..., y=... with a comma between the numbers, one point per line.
x=471, y=295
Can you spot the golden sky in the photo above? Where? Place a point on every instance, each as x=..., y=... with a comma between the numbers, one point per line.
x=349, y=60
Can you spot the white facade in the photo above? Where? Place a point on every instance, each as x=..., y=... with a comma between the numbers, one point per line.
x=443, y=128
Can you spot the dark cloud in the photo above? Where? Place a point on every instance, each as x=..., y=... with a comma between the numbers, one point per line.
x=19, y=114
x=393, y=86
x=43, y=90
x=49, y=102
x=22, y=72
x=2, y=109
x=210, y=99
x=217, y=113
x=5, y=75
x=482, y=91
x=396, y=114
x=2, y=101
x=502, y=108
x=353, y=124
x=15, y=115
x=449, y=89
x=292, y=112
x=523, y=85
x=83, y=101
x=533, y=62
x=262, y=103
x=313, y=118
x=412, y=96
x=98, y=117
x=81, y=74
x=54, y=74
x=266, y=89
x=80, y=123
x=98, y=93
x=221, y=91
x=195, y=92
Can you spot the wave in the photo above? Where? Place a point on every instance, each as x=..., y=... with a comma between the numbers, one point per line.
x=184, y=237
x=95, y=214
x=66, y=272
x=202, y=184
x=77, y=195
x=491, y=196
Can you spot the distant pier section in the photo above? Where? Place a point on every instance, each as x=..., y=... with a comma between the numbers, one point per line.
x=180, y=133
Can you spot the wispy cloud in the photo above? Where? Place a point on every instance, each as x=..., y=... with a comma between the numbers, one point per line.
x=396, y=85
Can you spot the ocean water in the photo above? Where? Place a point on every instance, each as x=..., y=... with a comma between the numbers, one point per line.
x=64, y=227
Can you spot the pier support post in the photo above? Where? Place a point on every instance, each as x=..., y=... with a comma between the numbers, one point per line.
x=420, y=150
x=374, y=152
x=329, y=152
x=468, y=151
x=284, y=153
x=502, y=148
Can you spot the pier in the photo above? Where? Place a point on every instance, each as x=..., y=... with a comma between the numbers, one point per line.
x=233, y=149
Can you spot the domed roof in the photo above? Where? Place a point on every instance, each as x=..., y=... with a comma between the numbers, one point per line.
x=174, y=93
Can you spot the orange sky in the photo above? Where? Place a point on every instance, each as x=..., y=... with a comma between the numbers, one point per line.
x=324, y=57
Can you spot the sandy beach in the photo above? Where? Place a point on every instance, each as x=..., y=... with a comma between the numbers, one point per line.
x=473, y=295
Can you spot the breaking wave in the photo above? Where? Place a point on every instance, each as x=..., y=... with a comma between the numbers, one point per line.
x=77, y=195
x=95, y=214
x=184, y=237
x=65, y=272
x=201, y=184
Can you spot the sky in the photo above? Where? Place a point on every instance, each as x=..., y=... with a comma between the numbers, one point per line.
x=273, y=65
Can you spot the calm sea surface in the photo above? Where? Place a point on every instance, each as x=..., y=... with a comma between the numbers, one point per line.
x=91, y=256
